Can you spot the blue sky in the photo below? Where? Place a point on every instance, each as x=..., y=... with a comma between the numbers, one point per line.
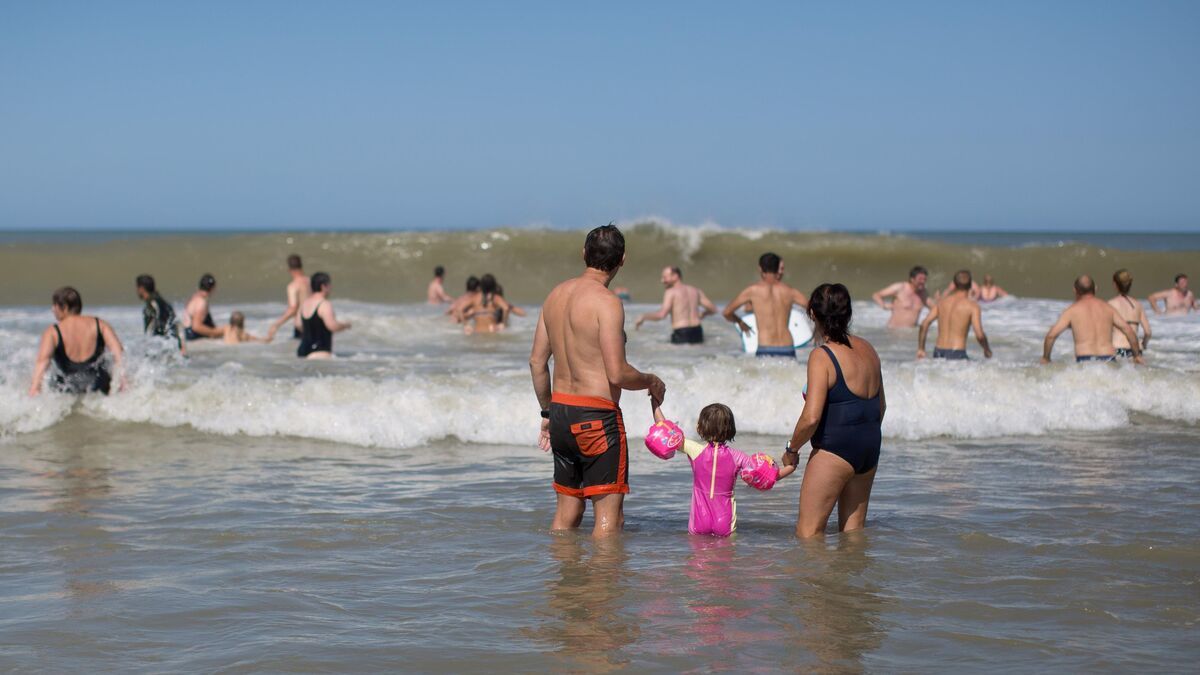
x=843, y=115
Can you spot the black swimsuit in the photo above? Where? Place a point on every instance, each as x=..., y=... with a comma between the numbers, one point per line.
x=79, y=377
x=849, y=426
x=193, y=335
x=315, y=336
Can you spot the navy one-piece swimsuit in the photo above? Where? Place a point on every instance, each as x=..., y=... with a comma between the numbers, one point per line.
x=849, y=426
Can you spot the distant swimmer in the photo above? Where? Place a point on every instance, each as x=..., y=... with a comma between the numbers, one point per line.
x=1091, y=321
x=76, y=346
x=623, y=294
x=1176, y=300
x=989, y=291
x=458, y=308
x=436, y=293
x=489, y=309
x=1131, y=312
x=235, y=332
x=973, y=293
x=771, y=302
x=158, y=316
x=955, y=314
x=297, y=291
x=582, y=328
x=512, y=309
x=908, y=298
x=317, y=320
x=687, y=306
x=197, y=319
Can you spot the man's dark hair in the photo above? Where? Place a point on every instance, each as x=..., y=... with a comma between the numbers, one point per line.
x=293, y=262
x=439, y=271
x=472, y=284
x=1084, y=285
x=912, y=274
x=318, y=280
x=769, y=263
x=145, y=282
x=207, y=282
x=716, y=423
x=830, y=309
x=67, y=298
x=962, y=280
x=678, y=272
x=1179, y=276
x=604, y=248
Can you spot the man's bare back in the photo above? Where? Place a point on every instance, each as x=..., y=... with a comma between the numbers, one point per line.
x=771, y=301
x=956, y=314
x=682, y=302
x=573, y=315
x=1091, y=321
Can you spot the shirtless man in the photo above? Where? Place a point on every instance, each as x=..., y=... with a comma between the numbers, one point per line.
x=1177, y=300
x=683, y=303
x=197, y=320
x=770, y=300
x=908, y=298
x=436, y=293
x=582, y=327
x=458, y=308
x=1091, y=321
x=1131, y=312
x=956, y=313
x=297, y=292
x=989, y=291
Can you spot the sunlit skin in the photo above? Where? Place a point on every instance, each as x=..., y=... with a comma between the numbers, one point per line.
x=297, y=291
x=771, y=302
x=908, y=298
x=1176, y=300
x=686, y=305
x=318, y=303
x=1091, y=321
x=79, y=338
x=955, y=314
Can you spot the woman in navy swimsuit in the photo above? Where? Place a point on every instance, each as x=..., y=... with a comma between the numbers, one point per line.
x=841, y=417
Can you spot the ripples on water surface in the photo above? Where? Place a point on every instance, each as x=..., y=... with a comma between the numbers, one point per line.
x=245, y=512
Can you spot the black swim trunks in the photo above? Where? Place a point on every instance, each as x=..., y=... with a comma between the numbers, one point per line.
x=950, y=354
x=1093, y=357
x=587, y=437
x=784, y=352
x=1124, y=353
x=690, y=335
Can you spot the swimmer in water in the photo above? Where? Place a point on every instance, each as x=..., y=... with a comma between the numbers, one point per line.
x=436, y=294
x=458, y=308
x=956, y=313
x=1131, y=312
x=771, y=301
x=973, y=294
x=76, y=346
x=197, y=319
x=1091, y=321
x=318, y=320
x=489, y=310
x=989, y=291
x=1177, y=300
x=235, y=332
x=158, y=316
x=908, y=299
x=715, y=470
x=687, y=306
x=297, y=291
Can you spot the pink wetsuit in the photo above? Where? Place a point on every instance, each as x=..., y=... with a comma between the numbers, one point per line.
x=714, y=471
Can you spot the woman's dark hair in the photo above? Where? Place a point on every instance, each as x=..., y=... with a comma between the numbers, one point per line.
x=830, y=310
x=318, y=280
x=472, y=284
x=716, y=423
x=67, y=298
x=145, y=282
x=604, y=248
x=487, y=284
x=207, y=282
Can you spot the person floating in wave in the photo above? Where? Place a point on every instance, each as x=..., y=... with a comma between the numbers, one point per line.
x=235, y=331
x=687, y=305
x=771, y=302
x=317, y=320
x=989, y=291
x=1091, y=321
x=197, y=319
x=158, y=317
x=1131, y=312
x=436, y=294
x=458, y=308
x=297, y=291
x=1177, y=300
x=908, y=299
x=76, y=346
x=489, y=310
x=956, y=313
x=715, y=467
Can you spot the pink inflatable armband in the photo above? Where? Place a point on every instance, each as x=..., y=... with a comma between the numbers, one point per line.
x=664, y=438
x=762, y=472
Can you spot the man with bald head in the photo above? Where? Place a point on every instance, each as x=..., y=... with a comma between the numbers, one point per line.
x=956, y=313
x=1091, y=321
x=687, y=306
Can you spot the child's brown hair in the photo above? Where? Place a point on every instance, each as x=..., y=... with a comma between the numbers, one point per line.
x=237, y=320
x=716, y=423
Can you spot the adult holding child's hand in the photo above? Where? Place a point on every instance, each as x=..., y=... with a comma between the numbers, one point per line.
x=843, y=411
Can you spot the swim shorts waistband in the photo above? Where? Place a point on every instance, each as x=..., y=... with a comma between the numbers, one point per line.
x=583, y=401
x=789, y=352
x=950, y=354
x=1103, y=358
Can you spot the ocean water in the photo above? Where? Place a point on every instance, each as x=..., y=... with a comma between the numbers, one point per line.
x=242, y=510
